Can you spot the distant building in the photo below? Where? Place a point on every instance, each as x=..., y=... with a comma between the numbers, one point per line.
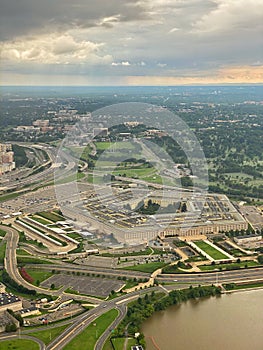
x=6, y=158
x=41, y=122
x=100, y=132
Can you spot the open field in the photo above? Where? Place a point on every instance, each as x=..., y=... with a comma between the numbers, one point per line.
x=2, y=251
x=22, y=252
x=48, y=335
x=41, y=220
x=51, y=216
x=233, y=266
x=150, y=267
x=118, y=344
x=31, y=260
x=88, y=338
x=18, y=344
x=211, y=251
x=2, y=233
x=38, y=275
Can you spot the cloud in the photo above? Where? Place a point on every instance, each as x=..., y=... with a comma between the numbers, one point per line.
x=23, y=17
x=164, y=38
x=161, y=65
x=230, y=15
x=54, y=49
x=123, y=63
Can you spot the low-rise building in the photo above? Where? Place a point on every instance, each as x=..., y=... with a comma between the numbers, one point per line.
x=29, y=311
x=10, y=301
x=7, y=319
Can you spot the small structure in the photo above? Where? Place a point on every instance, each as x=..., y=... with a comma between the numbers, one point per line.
x=29, y=311
x=249, y=241
x=10, y=301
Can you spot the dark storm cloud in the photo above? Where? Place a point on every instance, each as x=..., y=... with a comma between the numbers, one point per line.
x=23, y=17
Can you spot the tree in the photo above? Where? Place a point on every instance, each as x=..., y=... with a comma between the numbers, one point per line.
x=52, y=286
x=11, y=327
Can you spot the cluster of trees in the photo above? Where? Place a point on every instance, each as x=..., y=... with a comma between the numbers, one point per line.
x=17, y=316
x=7, y=280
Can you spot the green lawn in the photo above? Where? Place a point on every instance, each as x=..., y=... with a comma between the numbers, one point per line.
x=48, y=335
x=229, y=266
x=39, y=275
x=51, y=216
x=88, y=338
x=233, y=286
x=119, y=344
x=22, y=252
x=211, y=251
x=2, y=251
x=6, y=197
x=41, y=220
x=2, y=233
x=29, y=260
x=18, y=344
x=150, y=267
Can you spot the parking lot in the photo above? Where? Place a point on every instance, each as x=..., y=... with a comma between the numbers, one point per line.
x=96, y=286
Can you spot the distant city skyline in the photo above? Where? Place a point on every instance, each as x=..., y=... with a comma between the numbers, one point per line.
x=145, y=42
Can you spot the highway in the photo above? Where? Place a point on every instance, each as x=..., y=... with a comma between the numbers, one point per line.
x=84, y=320
x=92, y=269
x=79, y=323
x=122, y=312
x=237, y=276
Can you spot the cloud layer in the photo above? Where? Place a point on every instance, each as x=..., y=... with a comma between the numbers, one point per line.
x=124, y=41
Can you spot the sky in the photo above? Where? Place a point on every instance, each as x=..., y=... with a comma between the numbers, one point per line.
x=130, y=42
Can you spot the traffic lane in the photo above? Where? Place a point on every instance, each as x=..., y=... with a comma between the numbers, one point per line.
x=122, y=312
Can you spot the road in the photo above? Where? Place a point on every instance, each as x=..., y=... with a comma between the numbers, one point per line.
x=84, y=320
x=10, y=264
x=241, y=275
x=122, y=312
x=92, y=269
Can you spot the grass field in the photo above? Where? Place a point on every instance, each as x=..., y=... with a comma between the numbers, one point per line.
x=22, y=252
x=51, y=216
x=119, y=344
x=2, y=251
x=39, y=275
x=229, y=266
x=41, y=220
x=88, y=338
x=31, y=260
x=211, y=251
x=18, y=344
x=150, y=267
x=48, y=335
x=2, y=233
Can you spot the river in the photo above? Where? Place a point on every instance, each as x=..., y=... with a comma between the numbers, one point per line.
x=228, y=322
